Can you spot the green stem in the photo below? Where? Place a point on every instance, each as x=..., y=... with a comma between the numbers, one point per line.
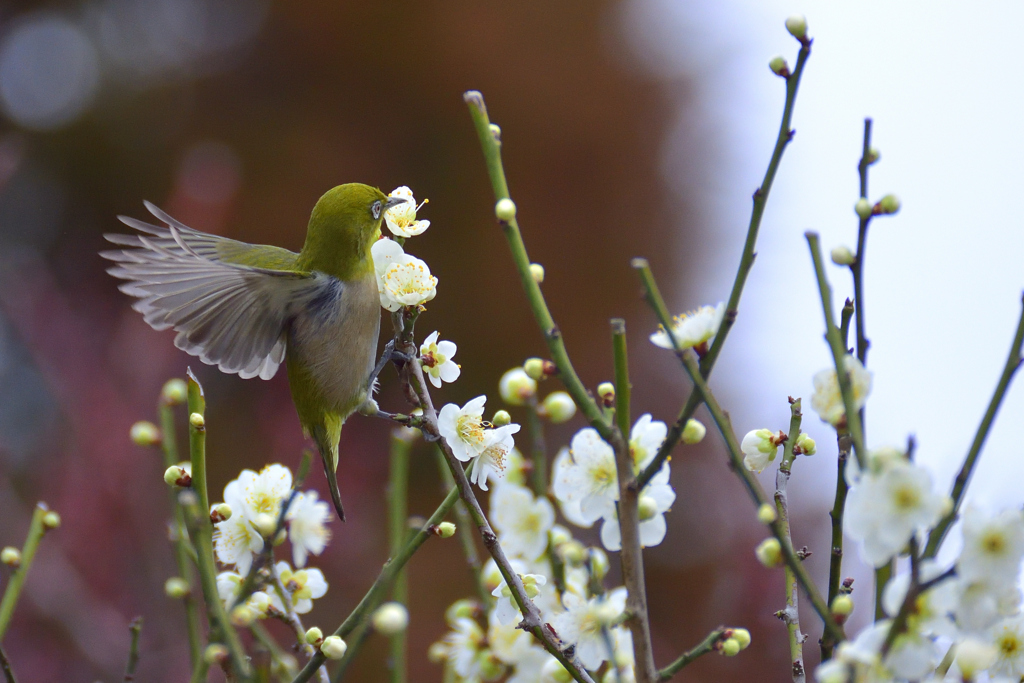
x=464, y=530
x=355, y=644
x=844, y=326
x=760, y=201
x=882, y=576
x=538, y=449
x=791, y=615
x=631, y=555
x=398, y=523
x=835, y=566
x=709, y=644
x=688, y=359
x=963, y=477
x=284, y=661
x=383, y=583
x=839, y=354
x=180, y=543
x=135, y=628
x=862, y=235
x=36, y=529
x=491, y=146
x=198, y=515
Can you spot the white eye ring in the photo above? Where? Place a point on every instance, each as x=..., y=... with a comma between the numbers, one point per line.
x=375, y=209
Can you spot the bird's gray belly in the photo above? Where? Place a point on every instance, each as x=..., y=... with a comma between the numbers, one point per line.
x=335, y=338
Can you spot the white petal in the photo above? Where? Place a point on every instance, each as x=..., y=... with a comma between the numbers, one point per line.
x=611, y=537
x=652, y=531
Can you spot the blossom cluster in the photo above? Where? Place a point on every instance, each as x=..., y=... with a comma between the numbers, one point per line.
x=402, y=279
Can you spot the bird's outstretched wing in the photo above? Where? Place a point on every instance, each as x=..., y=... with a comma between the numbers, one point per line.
x=231, y=315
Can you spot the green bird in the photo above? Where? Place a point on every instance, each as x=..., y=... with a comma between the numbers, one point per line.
x=247, y=308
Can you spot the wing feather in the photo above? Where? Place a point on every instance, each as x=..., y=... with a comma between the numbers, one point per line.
x=227, y=314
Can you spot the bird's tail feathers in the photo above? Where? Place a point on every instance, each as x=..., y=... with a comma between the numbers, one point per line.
x=326, y=437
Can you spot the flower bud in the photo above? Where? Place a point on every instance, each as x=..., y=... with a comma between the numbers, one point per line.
x=779, y=66
x=606, y=392
x=243, y=616
x=843, y=256
x=797, y=26
x=559, y=407
x=265, y=524
x=887, y=205
x=51, y=520
x=464, y=608
x=974, y=656
x=11, y=557
x=873, y=155
x=863, y=208
x=599, y=563
x=175, y=392
x=314, y=636
x=491, y=668
x=176, y=475
x=215, y=654
x=805, y=445
x=221, y=512
x=495, y=132
x=197, y=420
x=766, y=514
x=534, y=367
x=144, y=433
x=842, y=607
x=445, y=529
x=731, y=647
x=176, y=587
x=390, y=618
x=437, y=653
x=559, y=535
x=573, y=553
x=505, y=210
x=501, y=418
x=537, y=272
x=554, y=672
x=694, y=432
x=741, y=636
x=516, y=387
x=769, y=552
x=647, y=507
x=333, y=647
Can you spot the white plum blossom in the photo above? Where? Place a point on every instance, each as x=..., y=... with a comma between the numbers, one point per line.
x=463, y=428
x=691, y=329
x=436, y=358
x=591, y=480
x=582, y=623
x=228, y=585
x=464, y=643
x=516, y=647
x=645, y=439
x=505, y=608
x=932, y=609
x=759, y=448
x=402, y=279
x=251, y=495
x=827, y=400
x=1008, y=638
x=492, y=461
x=304, y=585
x=993, y=546
x=887, y=505
x=981, y=603
x=655, y=500
x=522, y=521
x=307, y=519
x=401, y=218
x=515, y=471
x=568, y=504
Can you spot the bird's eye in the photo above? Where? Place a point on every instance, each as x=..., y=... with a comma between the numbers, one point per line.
x=375, y=209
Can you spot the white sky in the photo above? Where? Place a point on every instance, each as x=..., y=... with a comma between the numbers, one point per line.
x=944, y=83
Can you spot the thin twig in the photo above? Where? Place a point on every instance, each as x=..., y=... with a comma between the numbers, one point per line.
x=285, y=661
x=688, y=359
x=963, y=477
x=291, y=617
x=398, y=525
x=36, y=530
x=135, y=628
x=5, y=665
x=835, y=565
x=631, y=556
x=791, y=615
x=760, y=201
x=464, y=530
x=710, y=643
x=538, y=449
x=863, y=344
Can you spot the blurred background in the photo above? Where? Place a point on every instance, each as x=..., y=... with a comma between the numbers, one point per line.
x=633, y=128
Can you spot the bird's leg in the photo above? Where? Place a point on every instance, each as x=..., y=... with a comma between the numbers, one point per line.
x=385, y=358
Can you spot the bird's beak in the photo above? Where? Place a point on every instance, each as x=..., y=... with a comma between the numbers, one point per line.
x=393, y=201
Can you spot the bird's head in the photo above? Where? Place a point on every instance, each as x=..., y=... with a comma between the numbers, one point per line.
x=343, y=226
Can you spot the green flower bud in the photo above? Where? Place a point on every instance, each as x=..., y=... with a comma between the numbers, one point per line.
x=333, y=647
x=797, y=26
x=495, y=132
x=974, y=656
x=243, y=616
x=505, y=210
x=843, y=256
x=516, y=387
x=559, y=407
x=805, y=444
x=559, y=535
x=863, y=208
x=573, y=553
x=176, y=475
x=390, y=618
x=647, y=507
x=501, y=418
x=873, y=155
x=766, y=514
x=176, y=587
x=694, y=432
x=11, y=557
x=445, y=529
x=215, y=654
x=537, y=272
x=779, y=66
x=491, y=668
x=769, y=552
x=460, y=609
x=599, y=564
x=842, y=607
x=144, y=433
x=731, y=647
x=51, y=520
x=175, y=392
x=888, y=205
x=314, y=636
x=197, y=421
x=606, y=392
x=221, y=512
x=265, y=524
x=437, y=653
x=534, y=367
x=741, y=636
